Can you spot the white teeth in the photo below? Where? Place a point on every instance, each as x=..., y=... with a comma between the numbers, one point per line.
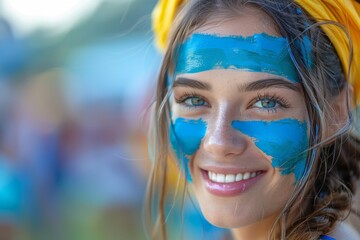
x=229, y=178
x=246, y=176
x=239, y=177
x=220, y=178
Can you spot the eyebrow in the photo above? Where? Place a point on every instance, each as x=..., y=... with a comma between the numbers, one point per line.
x=269, y=82
x=254, y=86
x=186, y=82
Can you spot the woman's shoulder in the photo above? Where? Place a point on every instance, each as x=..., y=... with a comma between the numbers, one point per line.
x=343, y=231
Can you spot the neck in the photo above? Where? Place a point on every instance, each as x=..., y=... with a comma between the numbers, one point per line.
x=258, y=231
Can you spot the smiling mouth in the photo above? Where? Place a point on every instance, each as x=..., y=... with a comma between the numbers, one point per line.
x=230, y=184
x=230, y=178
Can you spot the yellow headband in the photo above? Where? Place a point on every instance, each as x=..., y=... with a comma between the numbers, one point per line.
x=345, y=12
x=163, y=16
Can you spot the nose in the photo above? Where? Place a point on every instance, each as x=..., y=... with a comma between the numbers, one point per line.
x=222, y=140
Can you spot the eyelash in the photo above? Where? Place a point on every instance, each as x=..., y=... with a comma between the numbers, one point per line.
x=187, y=95
x=282, y=102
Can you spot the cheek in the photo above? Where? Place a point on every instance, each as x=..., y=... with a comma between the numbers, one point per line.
x=185, y=138
x=285, y=141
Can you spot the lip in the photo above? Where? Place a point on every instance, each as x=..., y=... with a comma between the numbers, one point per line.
x=230, y=189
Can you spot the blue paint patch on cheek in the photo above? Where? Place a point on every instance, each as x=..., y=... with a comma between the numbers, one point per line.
x=185, y=138
x=285, y=140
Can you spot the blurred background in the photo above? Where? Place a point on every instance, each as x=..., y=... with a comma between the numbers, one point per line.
x=76, y=80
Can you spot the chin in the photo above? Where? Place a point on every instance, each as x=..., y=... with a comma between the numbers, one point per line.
x=227, y=218
x=229, y=224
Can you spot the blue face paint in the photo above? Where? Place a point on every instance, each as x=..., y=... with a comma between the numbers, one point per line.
x=286, y=141
x=305, y=46
x=185, y=139
x=256, y=53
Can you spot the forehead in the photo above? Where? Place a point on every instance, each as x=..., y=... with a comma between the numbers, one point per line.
x=249, y=21
x=256, y=53
x=245, y=41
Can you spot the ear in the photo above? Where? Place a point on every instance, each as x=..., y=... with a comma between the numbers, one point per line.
x=341, y=107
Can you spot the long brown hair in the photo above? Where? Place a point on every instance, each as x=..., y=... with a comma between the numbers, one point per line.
x=324, y=192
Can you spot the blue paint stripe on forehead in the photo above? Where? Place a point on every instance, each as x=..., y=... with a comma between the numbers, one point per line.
x=256, y=53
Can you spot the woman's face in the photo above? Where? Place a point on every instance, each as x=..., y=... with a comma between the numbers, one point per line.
x=239, y=120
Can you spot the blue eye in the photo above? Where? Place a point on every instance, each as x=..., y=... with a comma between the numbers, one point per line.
x=270, y=102
x=266, y=103
x=194, y=101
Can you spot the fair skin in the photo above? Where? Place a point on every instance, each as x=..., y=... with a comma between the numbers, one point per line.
x=224, y=150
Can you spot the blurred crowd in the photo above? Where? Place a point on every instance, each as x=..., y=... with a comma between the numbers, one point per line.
x=73, y=155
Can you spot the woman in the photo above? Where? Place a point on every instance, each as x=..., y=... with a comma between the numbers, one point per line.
x=257, y=96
